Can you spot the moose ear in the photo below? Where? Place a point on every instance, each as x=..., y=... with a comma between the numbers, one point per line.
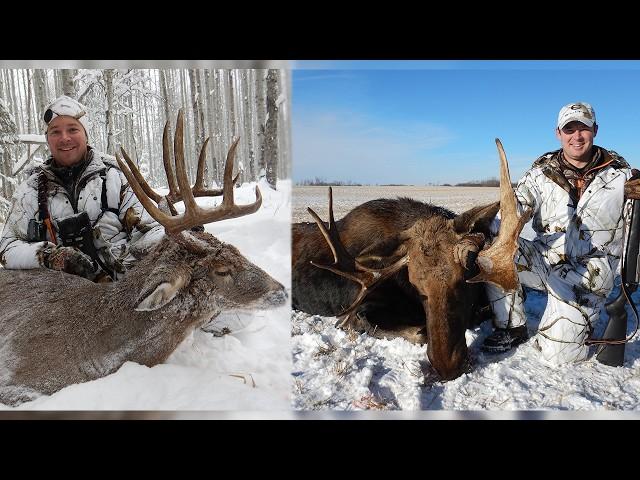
x=161, y=294
x=476, y=219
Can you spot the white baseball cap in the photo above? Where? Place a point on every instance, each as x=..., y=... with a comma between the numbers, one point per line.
x=64, y=105
x=577, y=112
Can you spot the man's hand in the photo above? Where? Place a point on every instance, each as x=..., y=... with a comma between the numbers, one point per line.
x=632, y=186
x=69, y=260
x=466, y=250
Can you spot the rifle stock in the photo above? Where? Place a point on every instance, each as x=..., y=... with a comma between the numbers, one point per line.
x=616, y=329
x=613, y=355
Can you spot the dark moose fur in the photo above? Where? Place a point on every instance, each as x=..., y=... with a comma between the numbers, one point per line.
x=427, y=301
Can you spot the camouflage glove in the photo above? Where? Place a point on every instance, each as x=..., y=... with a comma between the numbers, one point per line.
x=632, y=186
x=466, y=250
x=69, y=260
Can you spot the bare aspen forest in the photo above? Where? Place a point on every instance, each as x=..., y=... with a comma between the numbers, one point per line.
x=129, y=107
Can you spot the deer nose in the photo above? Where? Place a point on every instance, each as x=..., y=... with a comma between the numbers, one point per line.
x=276, y=298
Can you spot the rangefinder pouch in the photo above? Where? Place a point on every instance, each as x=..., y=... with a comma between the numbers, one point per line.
x=76, y=231
x=35, y=231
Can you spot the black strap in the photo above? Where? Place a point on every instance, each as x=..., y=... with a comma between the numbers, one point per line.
x=103, y=197
x=43, y=210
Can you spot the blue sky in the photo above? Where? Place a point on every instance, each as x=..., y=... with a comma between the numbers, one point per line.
x=431, y=122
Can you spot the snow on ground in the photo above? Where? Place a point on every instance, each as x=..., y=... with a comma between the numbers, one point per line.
x=246, y=369
x=338, y=370
x=334, y=369
x=345, y=198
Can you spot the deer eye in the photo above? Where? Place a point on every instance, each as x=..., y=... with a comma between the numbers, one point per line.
x=223, y=272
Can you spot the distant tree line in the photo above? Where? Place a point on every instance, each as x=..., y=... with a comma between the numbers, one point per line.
x=317, y=181
x=488, y=182
x=321, y=182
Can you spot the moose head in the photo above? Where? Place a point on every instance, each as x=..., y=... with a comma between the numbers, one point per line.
x=426, y=248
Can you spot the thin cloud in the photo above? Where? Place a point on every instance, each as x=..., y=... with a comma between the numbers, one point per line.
x=350, y=147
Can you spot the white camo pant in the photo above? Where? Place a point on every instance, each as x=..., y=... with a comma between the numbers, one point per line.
x=569, y=315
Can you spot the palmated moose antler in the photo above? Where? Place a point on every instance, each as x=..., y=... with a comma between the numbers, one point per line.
x=193, y=214
x=347, y=266
x=496, y=263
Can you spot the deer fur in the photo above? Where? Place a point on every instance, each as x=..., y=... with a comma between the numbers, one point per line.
x=58, y=329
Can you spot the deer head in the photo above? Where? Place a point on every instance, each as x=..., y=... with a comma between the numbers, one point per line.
x=71, y=330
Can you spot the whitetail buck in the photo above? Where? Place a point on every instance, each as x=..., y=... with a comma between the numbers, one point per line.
x=400, y=252
x=57, y=329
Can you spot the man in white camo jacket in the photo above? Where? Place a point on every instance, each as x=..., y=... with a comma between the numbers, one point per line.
x=75, y=179
x=578, y=196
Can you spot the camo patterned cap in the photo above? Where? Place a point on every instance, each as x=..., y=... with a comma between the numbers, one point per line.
x=577, y=112
x=64, y=105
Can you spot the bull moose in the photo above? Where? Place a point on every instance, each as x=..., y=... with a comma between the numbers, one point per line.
x=388, y=268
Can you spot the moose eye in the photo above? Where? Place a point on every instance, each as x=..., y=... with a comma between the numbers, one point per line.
x=223, y=272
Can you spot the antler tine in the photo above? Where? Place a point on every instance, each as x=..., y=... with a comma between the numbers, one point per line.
x=168, y=168
x=341, y=256
x=507, y=197
x=332, y=220
x=227, y=185
x=151, y=207
x=379, y=275
x=347, y=266
x=143, y=183
x=190, y=205
x=193, y=214
x=497, y=262
x=201, y=160
x=198, y=189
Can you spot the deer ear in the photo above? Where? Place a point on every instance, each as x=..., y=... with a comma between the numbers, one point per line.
x=161, y=295
x=476, y=219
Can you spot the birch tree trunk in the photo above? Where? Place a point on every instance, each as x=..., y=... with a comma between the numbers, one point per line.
x=261, y=108
x=129, y=141
x=40, y=91
x=30, y=115
x=108, y=81
x=221, y=122
x=8, y=128
x=184, y=100
x=68, y=87
x=271, y=128
x=210, y=96
x=284, y=133
x=17, y=112
x=151, y=146
x=198, y=116
x=167, y=99
x=247, y=82
x=232, y=113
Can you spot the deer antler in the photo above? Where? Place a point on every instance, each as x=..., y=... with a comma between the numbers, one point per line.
x=346, y=266
x=198, y=189
x=497, y=262
x=174, y=194
x=193, y=214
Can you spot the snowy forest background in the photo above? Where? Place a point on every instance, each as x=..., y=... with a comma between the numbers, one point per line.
x=129, y=108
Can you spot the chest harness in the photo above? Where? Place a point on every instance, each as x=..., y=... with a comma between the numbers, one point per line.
x=75, y=230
